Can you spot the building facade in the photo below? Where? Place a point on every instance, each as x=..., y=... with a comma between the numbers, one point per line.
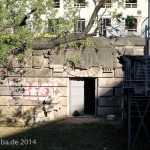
x=88, y=80
x=91, y=86
x=114, y=19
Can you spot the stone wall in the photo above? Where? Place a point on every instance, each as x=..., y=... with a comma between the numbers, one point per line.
x=46, y=73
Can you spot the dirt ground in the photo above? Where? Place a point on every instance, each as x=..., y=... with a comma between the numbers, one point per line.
x=87, y=119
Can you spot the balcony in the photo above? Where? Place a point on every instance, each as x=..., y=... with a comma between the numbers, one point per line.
x=79, y=5
x=131, y=5
x=106, y=5
x=56, y=4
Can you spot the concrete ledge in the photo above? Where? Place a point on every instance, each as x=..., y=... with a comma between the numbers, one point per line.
x=111, y=117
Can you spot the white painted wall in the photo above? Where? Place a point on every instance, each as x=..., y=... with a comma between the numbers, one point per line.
x=142, y=5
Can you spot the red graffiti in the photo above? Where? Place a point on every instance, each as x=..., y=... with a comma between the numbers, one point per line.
x=38, y=91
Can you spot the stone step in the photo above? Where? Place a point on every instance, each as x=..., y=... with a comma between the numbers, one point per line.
x=49, y=109
x=40, y=114
x=41, y=119
x=51, y=115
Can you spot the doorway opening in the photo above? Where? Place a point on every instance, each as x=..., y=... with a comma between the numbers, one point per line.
x=89, y=96
x=82, y=96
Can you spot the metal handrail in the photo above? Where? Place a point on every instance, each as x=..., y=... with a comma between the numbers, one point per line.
x=131, y=5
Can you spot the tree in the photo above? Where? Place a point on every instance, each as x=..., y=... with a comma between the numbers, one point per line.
x=20, y=20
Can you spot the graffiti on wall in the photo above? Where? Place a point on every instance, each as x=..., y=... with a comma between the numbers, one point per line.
x=35, y=91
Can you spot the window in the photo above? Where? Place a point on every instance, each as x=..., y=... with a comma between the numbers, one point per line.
x=79, y=3
x=131, y=4
x=53, y=26
x=105, y=22
x=56, y=3
x=107, y=4
x=131, y=23
x=79, y=26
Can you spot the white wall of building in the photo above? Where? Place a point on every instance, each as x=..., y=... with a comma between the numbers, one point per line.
x=140, y=13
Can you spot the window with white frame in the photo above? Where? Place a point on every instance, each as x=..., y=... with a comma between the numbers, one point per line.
x=131, y=24
x=131, y=4
x=105, y=22
x=79, y=26
x=56, y=3
x=107, y=4
x=79, y=3
x=53, y=26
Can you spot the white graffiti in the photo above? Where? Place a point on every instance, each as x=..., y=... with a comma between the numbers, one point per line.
x=36, y=91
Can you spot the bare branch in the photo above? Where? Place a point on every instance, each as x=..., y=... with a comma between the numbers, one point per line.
x=93, y=17
x=72, y=37
x=22, y=23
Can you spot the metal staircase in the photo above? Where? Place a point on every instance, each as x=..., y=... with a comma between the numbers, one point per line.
x=137, y=91
x=137, y=95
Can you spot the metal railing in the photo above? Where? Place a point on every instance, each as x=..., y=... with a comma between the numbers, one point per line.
x=56, y=4
x=79, y=5
x=131, y=5
x=106, y=5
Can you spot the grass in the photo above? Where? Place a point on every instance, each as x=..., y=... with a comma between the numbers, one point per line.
x=63, y=136
x=58, y=136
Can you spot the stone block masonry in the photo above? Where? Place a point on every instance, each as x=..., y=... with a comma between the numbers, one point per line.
x=46, y=74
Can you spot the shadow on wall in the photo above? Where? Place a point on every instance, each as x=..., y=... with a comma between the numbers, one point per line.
x=108, y=98
x=58, y=136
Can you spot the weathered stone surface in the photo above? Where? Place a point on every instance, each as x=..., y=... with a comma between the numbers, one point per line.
x=63, y=100
x=118, y=101
x=63, y=110
x=35, y=81
x=118, y=92
x=104, y=111
x=41, y=119
x=119, y=73
x=38, y=83
x=10, y=110
x=29, y=108
x=40, y=113
x=49, y=109
x=105, y=101
x=58, y=58
x=129, y=51
x=46, y=63
x=110, y=82
x=15, y=62
x=109, y=101
x=139, y=50
x=107, y=75
x=111, y=117
x=105, y=92
x=28, y=61
x=3, y=72
x=5, y=91
x=4, y=100
x=56, y=114
x=37, y=72
x=57, y=107
x=16, y=72
x=15, y=100
x=28, y=101
x=51, y=115
x=121, y=41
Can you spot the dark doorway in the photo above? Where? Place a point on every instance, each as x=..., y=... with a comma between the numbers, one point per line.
x=89, y=96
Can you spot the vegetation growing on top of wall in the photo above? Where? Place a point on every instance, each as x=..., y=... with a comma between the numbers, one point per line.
x=21, y=58
x=74, y=60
